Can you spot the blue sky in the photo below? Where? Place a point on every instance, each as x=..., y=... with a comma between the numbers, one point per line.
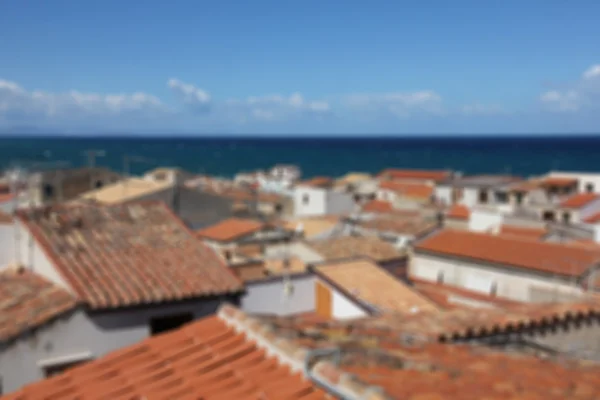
x=310, y=67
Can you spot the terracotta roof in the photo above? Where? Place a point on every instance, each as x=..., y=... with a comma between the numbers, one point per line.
x=378, y=206
x=125, y=190
x=207, y=359
x=373, y=286
x=125, y=255
x=28, y=301
x=353, y=177
x=594, y=219
x=374, y=351
x=522, y=231
x=411, y=190
x=579, y=200
x=525, y=186
x=552, y=258
x=355, y=246
x=318, y=181
x=458, y=211
x=399, y=226
x=559, y=182
x=230, y=229
x=313, y=226
x=4, y=197
x=241, y=194
x=415, y=174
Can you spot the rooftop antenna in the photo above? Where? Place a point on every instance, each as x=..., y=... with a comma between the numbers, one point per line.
x=91, y=157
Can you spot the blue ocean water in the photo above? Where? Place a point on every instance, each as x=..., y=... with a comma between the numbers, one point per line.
x=318, y=156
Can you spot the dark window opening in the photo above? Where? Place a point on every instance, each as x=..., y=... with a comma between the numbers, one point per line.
x=356, y=198
x=440, y=277
x=548, y=216
x=48, y=191
x=483, y=196
x=566, y=218
x=501, y=197
x=278, y=208
x=589, y=188
x=305, y=199
x=165, y=324
x=99, y=184
x=519, y=198
x=53, y=370
x=494, y=289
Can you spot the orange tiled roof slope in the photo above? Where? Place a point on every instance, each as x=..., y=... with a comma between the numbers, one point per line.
x=381, y=351
x=355, y=246
x=552, y=258
x=373, y=286
x=411, y=190
x=400, y=226
x=27, y=301
x=415, y=174
x=378, y=206
x=523, y=231
x=126, y=255
x=230, y=229
x=458, y=211
x=579, y=200
x=228, y=356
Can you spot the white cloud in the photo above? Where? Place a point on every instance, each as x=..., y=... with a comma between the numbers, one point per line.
x=277, y=107
x=16, y=101
x=584, y=94
x=190, y=94
x=592, y=72
x=400, y=104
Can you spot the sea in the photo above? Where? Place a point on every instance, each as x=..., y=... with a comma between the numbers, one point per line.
x=316, y=156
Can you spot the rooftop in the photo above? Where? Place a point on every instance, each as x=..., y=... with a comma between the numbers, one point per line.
x=125, y=190
x=579, y=200
x=28, y=301
x=459, y=211
x=551, y=258
x=318, y=181
x=312, y=226
x=231, y=229
x=399, y=226
x=355, y=246
x=419, y=191
x=378, y=206
x=126, y=255
x=523, y=231
x=371, y=285
x=483, y=181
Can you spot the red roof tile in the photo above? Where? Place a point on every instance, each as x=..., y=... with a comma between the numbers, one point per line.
x=411, y=190
x=378, y=206
x=594, y=219
x=579, y=200
x=415, y=174
x=204, y=360
x=522, y=231
x=458, y=211
x=28, y=301
x=552, y=258
x=130, y=254
x=5, y=218
x=318, y=181
x=230, y=229
x=559, y=182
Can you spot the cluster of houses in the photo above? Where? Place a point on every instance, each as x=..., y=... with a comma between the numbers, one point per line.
x=408, y=284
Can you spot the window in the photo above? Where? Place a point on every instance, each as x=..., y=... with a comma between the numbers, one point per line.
x=519, y=198
x=98, y=184
x=440, y=277
x=566, y=217
x=494, y=289
x=548, y=216
x=305, y=199
x=589, y=187
x=48, y=191
x=278, y=208
x=57, y=369
x=483, y=196
x=501, y=197
x=165, y=324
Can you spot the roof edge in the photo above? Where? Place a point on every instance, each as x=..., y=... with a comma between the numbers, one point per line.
x=296, y=357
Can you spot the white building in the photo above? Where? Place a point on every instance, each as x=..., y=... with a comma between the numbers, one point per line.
x=587, y=182
x=136, y=269
x=312, y=201
x=505, y=266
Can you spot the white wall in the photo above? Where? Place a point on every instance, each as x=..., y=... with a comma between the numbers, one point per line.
x=339, y=203
x=267, y=297
x=588, y=210
x=470, y=197
x=511, y=284
x=484, y=220
x=80, y=334
x=7, y=244
x=317, y=201
x=444, y=194
x=343, y=308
